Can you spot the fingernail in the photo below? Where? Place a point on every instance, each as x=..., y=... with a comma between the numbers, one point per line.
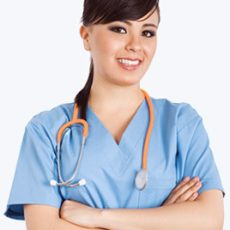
x=195, y=194
x=187, y=178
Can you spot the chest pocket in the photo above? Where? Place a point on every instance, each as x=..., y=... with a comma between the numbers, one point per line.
x=156, y=191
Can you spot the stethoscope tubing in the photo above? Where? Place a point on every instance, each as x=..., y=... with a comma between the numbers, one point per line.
x=68, y=182
x=142, y=176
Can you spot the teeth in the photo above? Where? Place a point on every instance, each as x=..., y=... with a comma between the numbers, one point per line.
x=128, y=62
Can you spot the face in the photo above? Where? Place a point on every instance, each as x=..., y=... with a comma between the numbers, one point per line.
x=121, y=51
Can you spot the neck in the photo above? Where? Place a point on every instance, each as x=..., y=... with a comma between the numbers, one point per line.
x=113, y=97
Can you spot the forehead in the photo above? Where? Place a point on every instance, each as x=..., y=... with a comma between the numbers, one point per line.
x=149, y=17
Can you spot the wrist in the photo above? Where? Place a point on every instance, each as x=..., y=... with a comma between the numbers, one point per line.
x=102, y=219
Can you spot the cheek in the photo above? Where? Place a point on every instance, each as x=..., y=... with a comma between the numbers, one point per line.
x=151, y=48
x=150, y=51
x=105, y=47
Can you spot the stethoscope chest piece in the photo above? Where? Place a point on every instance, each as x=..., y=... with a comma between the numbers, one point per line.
x=141, y=179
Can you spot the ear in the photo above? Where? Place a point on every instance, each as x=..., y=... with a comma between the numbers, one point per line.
x=84, y=33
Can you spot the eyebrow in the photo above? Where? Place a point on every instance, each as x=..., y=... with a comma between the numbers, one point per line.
x=145, y=25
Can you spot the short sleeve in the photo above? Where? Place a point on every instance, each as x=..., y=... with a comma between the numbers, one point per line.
x=35, y=168
x=194, y=155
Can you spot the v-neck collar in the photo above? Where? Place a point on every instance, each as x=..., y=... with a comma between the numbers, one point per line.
x=133, y=131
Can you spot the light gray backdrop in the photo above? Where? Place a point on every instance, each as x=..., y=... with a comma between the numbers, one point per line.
x=43, y=64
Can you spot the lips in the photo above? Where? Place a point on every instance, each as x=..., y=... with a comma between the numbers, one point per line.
x=129, y=63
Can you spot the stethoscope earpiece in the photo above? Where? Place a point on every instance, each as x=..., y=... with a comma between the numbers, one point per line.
x=53, y=182
x=79, y=183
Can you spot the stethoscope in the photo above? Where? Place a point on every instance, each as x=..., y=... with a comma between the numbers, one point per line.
x=141, y=178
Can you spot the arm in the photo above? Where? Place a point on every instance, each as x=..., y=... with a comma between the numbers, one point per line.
x=206, y=212
x=47, y=218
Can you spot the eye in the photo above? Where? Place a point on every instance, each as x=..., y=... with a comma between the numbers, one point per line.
x=122, y=30
x=149, y=33
x=118, y=29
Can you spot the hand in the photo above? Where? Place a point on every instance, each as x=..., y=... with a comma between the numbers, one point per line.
x=79, y=214
x=186, y=190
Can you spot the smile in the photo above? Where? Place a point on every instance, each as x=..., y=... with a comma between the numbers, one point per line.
x=129, y=64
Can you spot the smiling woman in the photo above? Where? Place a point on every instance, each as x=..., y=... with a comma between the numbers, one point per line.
x=116, y=42
x=117, y=158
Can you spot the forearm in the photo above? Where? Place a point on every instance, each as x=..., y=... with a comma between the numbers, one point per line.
x=61, y=224
x=187, y=215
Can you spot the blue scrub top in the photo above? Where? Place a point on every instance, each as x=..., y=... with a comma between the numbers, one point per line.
x=179, y=147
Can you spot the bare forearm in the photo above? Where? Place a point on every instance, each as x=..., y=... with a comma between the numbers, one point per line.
x=61, y=224
x=187, y=215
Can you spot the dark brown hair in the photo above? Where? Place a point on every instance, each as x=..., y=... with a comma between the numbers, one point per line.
x=106, y=11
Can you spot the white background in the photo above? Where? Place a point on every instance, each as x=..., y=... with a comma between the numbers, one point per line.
x=43, y=64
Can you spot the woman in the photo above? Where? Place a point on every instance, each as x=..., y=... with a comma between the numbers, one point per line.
x=115, y=188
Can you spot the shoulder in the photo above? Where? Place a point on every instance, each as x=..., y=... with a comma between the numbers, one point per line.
x=180, y=113
x=48, y=122
x=57, y=114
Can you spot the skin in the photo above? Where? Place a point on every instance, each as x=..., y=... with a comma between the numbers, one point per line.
x=80, y=214
x=119, y=89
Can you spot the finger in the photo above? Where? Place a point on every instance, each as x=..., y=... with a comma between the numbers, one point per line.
x=182, y=188
x=188, y=193
x=184, y=181
x=193, y=196
x=177, y=195
x=186, y=186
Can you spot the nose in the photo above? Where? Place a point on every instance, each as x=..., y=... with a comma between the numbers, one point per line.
x=134, y=43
